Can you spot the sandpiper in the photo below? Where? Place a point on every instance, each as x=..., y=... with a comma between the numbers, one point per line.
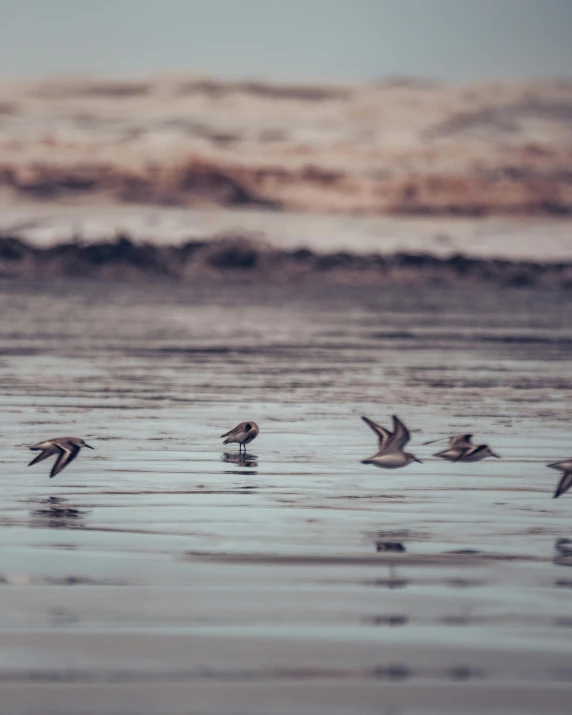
x=67, y=449
x=458, y=445
x=390, y=454
x=462, y=449
x=566, y=482
x=243, y=433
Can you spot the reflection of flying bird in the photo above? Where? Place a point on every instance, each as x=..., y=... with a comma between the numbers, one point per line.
x=67, y=449
x=391, y=454
x=243, y=433
x=56, y=514
x=462, y=449
x=566, y=482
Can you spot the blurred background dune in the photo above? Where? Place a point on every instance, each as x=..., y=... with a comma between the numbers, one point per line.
x=399, y=146
x=427, y=127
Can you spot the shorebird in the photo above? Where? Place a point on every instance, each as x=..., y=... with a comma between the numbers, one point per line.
x=390, y=454
x=67, y=449
x=566, y=482
x=462, y=449
x=243, y=433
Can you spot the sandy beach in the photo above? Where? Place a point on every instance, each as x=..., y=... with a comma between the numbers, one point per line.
x=160, y=573
x=179, y=253
x=306, y=223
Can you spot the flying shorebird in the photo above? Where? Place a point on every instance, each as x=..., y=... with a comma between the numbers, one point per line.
x=390, y=454
x=67, y=449
x=243, y=433
x=462, y=449
x=566, y=482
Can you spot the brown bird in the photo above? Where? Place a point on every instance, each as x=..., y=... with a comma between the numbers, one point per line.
x=462, y=449
x=458, y=444
x=391, y=444
x=67, y=449
x=243, y=433
x=566, y=482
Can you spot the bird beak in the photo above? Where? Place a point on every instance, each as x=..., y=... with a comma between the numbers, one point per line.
x=495, y=455
x=417, y=460
x=87, y=445
x=432, y=441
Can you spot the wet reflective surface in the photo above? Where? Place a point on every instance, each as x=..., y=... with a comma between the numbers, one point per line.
x=165, y=573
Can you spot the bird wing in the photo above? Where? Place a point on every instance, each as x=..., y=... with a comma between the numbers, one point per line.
x=400, y=436
x=564, y=466
x=475, y=449
x=66, y=455
x=384, y=435
x=451, y=454
x=44, y=454
x=234, y=430
x=461, y=440
x=564, y=484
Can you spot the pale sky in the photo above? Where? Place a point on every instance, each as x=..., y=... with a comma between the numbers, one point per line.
x=288, y=39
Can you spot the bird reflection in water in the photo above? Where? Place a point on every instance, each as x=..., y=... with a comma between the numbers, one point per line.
x=57, y=513
x=241, y=459
x=562, y=552
x=392, y=582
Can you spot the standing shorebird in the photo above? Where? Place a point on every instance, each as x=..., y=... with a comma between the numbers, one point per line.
x=462, y=449
x=390, y=454
x=566, y=481
x=67, y=449
x=243, y=433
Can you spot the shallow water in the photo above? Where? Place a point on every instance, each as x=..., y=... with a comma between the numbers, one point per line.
x=162, y=574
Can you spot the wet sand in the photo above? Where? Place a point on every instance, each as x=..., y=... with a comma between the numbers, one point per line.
x=162, y=574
